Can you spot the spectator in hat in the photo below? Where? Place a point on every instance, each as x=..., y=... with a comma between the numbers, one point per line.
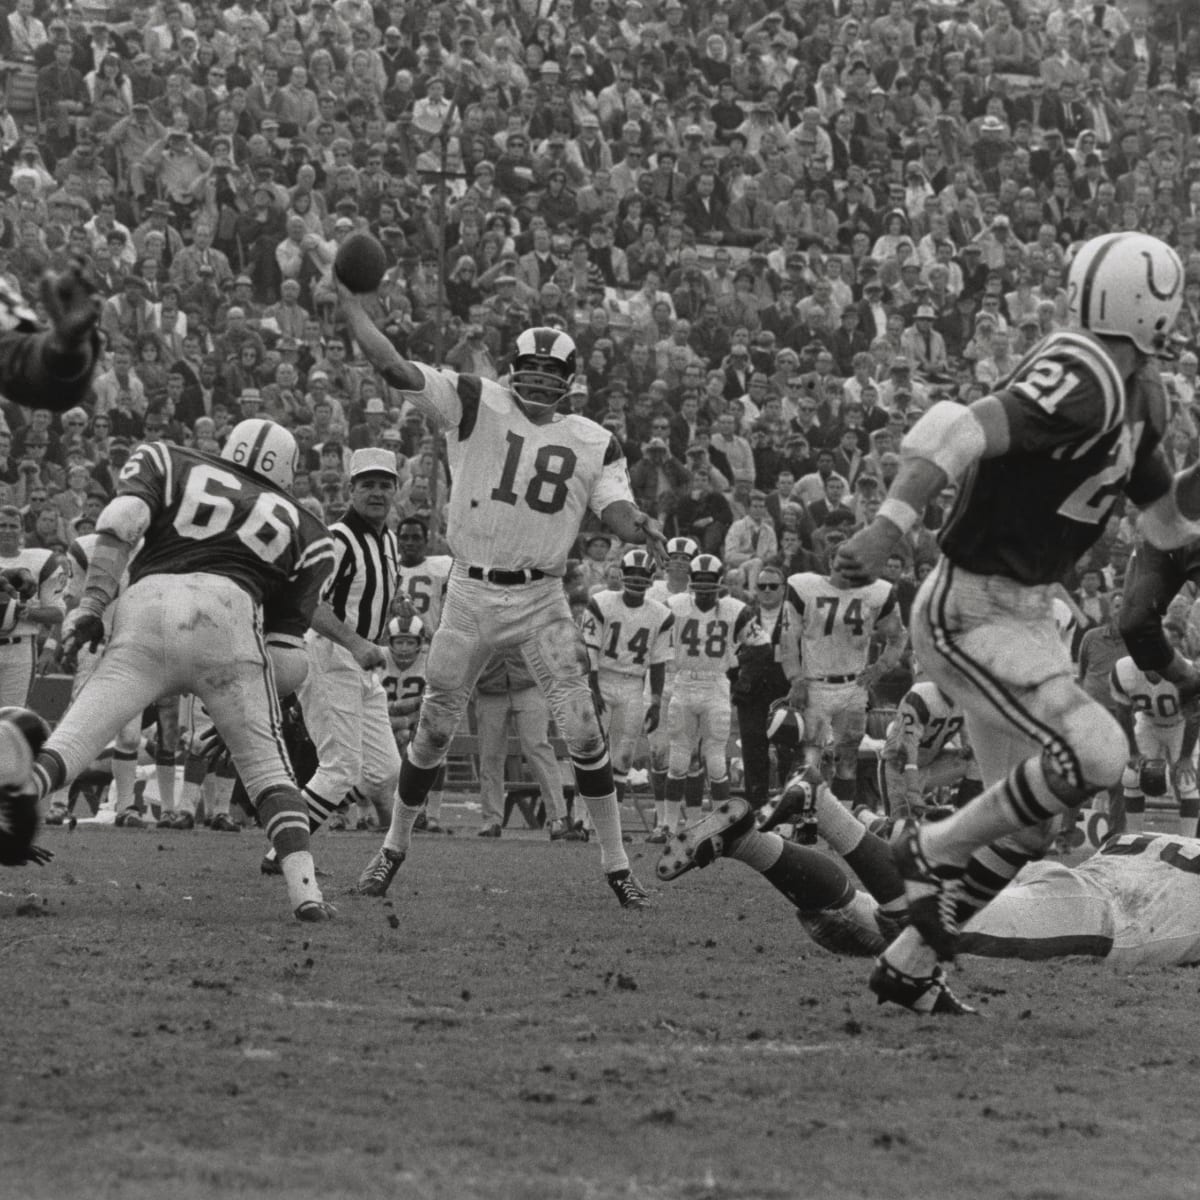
x=657, y=472
x=921, y=343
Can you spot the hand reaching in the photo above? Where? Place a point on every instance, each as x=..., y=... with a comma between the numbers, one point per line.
x=72, y=306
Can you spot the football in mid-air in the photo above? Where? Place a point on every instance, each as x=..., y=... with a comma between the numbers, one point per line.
x=360, y=263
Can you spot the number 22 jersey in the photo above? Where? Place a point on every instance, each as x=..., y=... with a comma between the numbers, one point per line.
x=519, y=490
x=209, y=516
x=1079, y=436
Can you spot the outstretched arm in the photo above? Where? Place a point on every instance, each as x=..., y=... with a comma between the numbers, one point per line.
x=381, y=354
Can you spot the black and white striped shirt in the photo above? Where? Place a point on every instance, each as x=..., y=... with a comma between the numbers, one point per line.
x=363, y=582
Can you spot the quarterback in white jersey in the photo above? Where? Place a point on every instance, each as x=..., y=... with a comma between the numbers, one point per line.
x=44, y=577
x=825, y=643
x=924, y=749
x=524, y=477
x=708, y=629
x=421, y=578
x=1159, y=728
x=628, y=637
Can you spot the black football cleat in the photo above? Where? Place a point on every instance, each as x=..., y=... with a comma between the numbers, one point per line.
x=931, y=891
x=929, y=995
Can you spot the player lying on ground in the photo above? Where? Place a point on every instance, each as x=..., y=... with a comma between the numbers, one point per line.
x=524, y=478
x=225, y=559
x=1134, y=903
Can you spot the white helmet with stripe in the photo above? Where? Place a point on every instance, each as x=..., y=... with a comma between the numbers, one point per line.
x=410, y=633
x=1127, y=285
x=682, y=549
x=706, y=574
x=637, y=570
x=265, y=448
x=542, y=369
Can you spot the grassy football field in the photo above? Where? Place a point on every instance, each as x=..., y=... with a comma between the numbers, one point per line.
x=500, y=1029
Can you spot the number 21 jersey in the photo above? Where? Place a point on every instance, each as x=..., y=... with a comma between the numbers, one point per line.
x=209, y=516
x=1079, y=437
x=519, y=490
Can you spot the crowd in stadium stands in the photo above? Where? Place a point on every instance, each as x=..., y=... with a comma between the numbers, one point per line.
x=776, y=233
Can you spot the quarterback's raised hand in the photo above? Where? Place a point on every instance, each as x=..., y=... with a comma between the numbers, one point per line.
x=72, y=306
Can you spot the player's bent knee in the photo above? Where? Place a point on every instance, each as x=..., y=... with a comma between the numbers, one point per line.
x=1094, y=751
x=450, y=655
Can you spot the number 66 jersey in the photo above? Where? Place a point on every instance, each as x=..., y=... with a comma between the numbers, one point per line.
x=1080, y=435
x=503, y=465
x=210, y=516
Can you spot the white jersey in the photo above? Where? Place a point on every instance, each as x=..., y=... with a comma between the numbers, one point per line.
x=833, y=625
x=1064, y=620
x=926, y=721
x=706, y=640
x=1150, y=696
x=424, y=586
x=625, y=640
x=50, y=573
x=660, y=590
x=504, y=466
x=405, y=683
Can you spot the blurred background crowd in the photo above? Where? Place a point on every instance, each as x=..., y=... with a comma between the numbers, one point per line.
x=776, y=233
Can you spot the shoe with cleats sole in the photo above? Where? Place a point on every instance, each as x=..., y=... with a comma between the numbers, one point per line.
x=184, y=821
x=931, y=891
x=628, y=891
x=130, y=819
x=314, y=911
x=658, y=836
x=929, y=995
x=56, y=816
x=707, y=839
x=378, y=874
x=796, y=806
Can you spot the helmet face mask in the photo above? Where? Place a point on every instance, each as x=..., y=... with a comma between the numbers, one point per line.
x=404, y=638
x=706, y=577
x=637, y=571
x=542, y=370
x=1126, y=285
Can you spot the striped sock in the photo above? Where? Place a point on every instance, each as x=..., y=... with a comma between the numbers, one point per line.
x=1022, y=799
x=988, y=873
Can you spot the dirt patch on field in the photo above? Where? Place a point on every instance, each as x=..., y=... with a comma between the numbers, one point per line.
x=501, y=1030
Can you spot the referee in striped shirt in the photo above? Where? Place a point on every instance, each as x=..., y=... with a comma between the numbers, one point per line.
x=345, y=706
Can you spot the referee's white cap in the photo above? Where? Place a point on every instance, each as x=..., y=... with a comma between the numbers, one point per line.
x=373, y=461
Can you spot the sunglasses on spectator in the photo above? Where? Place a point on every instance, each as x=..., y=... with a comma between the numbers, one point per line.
x=769, y=587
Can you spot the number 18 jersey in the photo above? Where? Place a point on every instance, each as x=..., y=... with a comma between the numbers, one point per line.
x=209, y=516
x=519, y=490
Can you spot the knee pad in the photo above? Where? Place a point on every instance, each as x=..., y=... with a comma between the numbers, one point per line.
x=715, y=764
x=560, y=647
x=1153, y=777
x=1090, y=752
x=449, y=653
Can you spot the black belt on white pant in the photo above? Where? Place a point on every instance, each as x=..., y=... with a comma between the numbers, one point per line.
x=505, y=578
x=835, y=678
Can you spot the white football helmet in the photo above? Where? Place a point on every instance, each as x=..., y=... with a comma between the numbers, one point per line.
x=682, y=548
x=405, y=635
x=542, y=369
x=1127, y=285
x=706, y=574
x=637, y=570
x=266, y=449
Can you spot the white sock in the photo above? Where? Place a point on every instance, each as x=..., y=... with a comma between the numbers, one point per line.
x=189, y=797
x=660, y=813
x=301, y=875
x=218, y=791
x=399, y=834
x=606, y=820
x=674, y=813
x=1187, y=826
x=761, y=851
x=164, y=774
x=908, y=953
x=836, y=823
x=433, y=806
x=1135, y=822
x=124, y=777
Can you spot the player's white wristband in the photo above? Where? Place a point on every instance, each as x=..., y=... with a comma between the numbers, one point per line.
x=902, y=515
x=50, y=644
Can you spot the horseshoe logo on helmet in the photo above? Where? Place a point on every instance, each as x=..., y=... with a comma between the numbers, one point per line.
x=1150, y=282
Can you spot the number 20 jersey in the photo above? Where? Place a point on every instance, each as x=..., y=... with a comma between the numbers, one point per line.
x=1079, y=436
x=519, y=490
x=209, y=516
